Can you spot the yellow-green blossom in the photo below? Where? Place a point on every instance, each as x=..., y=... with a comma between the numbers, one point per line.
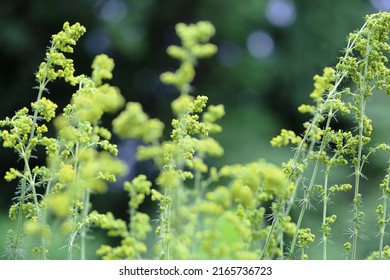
x=45, y=108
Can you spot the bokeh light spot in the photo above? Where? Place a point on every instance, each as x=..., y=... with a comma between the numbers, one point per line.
x=113, y=11
x=281, y=12
x=260, y=44
x=381, y=5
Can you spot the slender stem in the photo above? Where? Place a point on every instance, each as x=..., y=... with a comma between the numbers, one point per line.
x=383, y=227
x=166, y=224
x=84, y=229
x=31, y=182
x=75, y=229
x=26, y=169
x=282, y=205
x=291, y=199
x=383, y=222
x=324, y=214
x=361, y=105
x=306, y=199
x=298, y=153
x=72, y=238
x=271, y=230
x=199, y=189
x=357, y=182
x=305, y=204
x=301, y=149
x=17, y=243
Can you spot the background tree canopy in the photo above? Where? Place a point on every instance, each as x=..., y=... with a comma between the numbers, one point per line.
x=269, y=50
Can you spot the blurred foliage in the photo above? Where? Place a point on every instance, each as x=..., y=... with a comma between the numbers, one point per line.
x=260, y=93
x=56, y=241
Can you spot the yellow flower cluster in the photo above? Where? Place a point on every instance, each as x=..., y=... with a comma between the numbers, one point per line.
x=194, y=38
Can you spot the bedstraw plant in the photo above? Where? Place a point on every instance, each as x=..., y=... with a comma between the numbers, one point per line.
x=239, y=211
x=345, y=91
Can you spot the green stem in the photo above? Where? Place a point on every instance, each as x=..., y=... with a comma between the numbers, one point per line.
x=324, y=215
x=358, y=165
x=72, y=238
x=268, y=239
x=305, y=204
x=166, y=220
x=385, y=198
x=301, y=149
x=75, y=229
x=306, y=199
x=26, y=169
x=84, y=229
x=17, y=243
x=284, y=190
x=298, y=153
x=291, y=199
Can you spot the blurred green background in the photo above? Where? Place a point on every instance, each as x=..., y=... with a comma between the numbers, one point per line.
x=269, y=50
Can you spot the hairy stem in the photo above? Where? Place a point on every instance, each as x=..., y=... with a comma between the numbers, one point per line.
x=358, y=164
x=300, y=149
x=304, y=206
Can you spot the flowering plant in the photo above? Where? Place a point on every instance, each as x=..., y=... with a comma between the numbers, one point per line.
x=239, y=211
